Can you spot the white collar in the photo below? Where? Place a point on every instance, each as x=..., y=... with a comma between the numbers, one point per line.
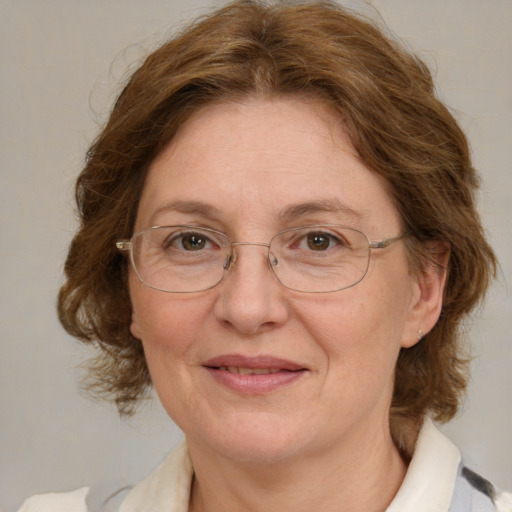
x=430, y=479
x=167, y=489
x=427, y=487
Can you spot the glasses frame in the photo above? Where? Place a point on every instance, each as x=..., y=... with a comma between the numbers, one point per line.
x=126, y=245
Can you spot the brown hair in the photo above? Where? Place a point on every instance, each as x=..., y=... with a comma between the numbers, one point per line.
x=386, y=98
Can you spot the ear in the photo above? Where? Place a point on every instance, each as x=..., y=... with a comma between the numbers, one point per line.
x=134, y=327
x=427, y=296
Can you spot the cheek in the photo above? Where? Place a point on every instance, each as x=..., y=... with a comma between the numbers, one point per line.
x=169, y=328
x=165, y=322
x=360, y=328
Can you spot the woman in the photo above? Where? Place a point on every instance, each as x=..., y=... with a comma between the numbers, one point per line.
x=278, y=232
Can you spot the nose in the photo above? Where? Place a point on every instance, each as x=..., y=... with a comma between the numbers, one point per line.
x=251, y=299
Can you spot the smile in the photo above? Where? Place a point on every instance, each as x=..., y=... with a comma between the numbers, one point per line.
x=249, y=371
x=253, y=375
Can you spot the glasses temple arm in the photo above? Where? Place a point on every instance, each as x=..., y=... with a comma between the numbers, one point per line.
x=386, y=243
x=123, y=245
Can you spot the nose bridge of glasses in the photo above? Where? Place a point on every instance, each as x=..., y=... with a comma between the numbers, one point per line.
x=263, y=244
x=234, y=254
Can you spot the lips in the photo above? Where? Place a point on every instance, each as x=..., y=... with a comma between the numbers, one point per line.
x=248, y=371
x=255, y=362
x=253, y=375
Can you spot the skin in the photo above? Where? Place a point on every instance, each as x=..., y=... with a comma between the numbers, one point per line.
x=322, y=440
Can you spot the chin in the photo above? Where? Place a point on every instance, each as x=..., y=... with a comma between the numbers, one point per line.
x=259, y=451
x=257, y=441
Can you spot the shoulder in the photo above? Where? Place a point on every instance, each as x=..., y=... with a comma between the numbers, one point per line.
x=503, y=502
x=74, y=501
x=475, y=493
x=473, y=490
x=438, y=481
x=167, y=488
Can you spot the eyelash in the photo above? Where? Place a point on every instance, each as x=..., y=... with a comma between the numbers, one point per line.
x=178, y=240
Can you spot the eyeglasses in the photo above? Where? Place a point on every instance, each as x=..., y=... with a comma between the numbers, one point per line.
x=314, y=259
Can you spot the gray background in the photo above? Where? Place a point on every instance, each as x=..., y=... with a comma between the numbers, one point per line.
x=62, y=63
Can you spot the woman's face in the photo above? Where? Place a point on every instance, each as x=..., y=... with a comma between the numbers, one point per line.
x=240, y=169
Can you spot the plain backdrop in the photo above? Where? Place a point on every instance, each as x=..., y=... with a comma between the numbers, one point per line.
x=62, y=63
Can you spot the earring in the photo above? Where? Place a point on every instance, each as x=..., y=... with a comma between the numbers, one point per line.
x=420, y=334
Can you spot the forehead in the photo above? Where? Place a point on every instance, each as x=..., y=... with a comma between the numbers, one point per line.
x=259, y=159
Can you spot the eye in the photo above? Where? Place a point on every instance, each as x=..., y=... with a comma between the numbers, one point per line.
x=320, y=241
x=189, y=241
x=193, y=241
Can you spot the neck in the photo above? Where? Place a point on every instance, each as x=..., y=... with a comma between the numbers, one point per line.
x=363, y=477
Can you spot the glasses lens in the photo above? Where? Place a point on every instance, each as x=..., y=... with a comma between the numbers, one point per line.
x=179, y=258
x=320, y=258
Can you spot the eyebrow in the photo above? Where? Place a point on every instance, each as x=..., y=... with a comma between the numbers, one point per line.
x=196, y=207
x=289, y=213
x=323, y=205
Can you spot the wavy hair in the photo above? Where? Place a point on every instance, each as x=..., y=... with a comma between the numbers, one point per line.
x=386, y=98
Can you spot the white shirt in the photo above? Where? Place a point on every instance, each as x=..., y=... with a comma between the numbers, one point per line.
x=435, y=482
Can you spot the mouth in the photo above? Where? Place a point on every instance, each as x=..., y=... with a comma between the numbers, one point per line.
x=253, y=375
x=248, y=371
x=247, y=365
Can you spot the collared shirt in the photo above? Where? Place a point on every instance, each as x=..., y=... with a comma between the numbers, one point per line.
x=436, y=481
